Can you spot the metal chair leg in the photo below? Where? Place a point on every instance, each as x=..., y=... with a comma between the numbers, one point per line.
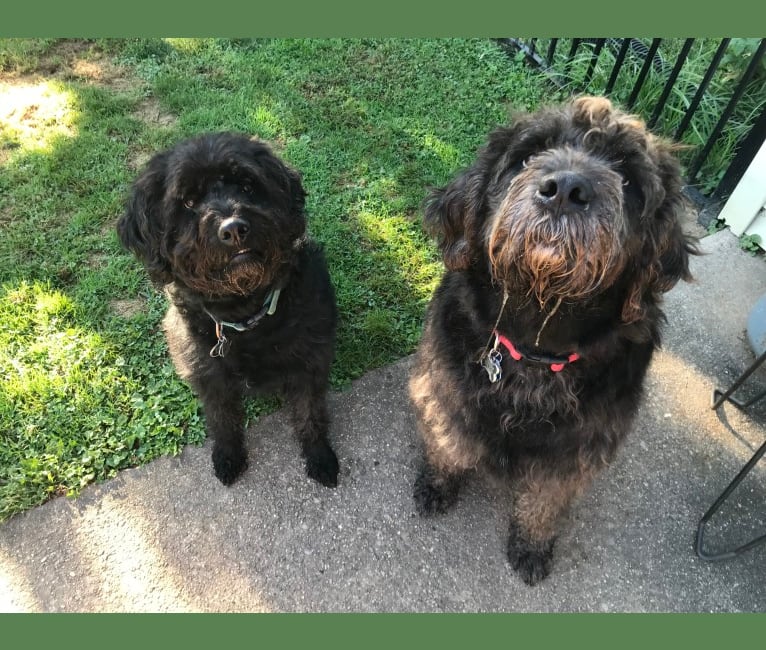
x=725, y=555
x=719, y=397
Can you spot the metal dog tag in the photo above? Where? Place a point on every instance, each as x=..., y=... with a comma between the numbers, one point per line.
x=222, y=346
x=491, y=362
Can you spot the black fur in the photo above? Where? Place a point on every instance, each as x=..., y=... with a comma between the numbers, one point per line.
x=219, y=222
x=583, y=270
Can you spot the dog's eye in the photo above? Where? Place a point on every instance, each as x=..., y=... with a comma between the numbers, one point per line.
x=625, y=182
x=247, y=189
x=188, y=203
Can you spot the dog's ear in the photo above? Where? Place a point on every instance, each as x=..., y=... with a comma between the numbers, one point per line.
x=297, y=193
x=664, y=259
x=141, y=226
x=281, y=175
x=451, y=216
x=454, y=215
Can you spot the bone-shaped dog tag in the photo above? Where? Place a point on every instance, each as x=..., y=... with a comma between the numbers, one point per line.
x=491, y=362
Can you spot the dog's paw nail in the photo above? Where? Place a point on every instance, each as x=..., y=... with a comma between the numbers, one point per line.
x=531, y=564
x=531, y=568
x=322, y=466
x=228, y=467
x=431, y=499
x=326, y=476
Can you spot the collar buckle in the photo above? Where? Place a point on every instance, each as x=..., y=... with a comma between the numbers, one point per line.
x=556, y=364
x=223, y=344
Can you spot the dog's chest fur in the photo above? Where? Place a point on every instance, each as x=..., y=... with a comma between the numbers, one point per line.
x=277, y=351
x=531, y=410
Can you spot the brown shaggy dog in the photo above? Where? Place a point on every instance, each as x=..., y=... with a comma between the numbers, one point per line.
x=558, y=243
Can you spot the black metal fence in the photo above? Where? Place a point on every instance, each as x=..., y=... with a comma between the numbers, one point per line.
x=708, y=93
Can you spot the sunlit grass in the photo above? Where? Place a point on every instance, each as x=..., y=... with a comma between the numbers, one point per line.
x=189, y=45
x=405, y=248
x=265, y=123
x=446, y=152
x=32, y=116
x=56, y=373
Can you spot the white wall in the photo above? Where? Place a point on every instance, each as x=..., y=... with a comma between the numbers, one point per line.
x=745, y=211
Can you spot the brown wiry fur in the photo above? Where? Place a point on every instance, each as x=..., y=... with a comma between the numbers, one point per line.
x=558, y=257
x=562, y=236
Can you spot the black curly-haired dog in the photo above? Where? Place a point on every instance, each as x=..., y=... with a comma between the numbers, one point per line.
x=558, y=243
x=219, y=222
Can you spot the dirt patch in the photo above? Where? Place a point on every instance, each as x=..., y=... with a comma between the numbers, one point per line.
x=78, y=60
x=138, y=158
x=127, y=308
x=103, y=72
x=5, y=214
x=58, y=58
x=84, y=61
x=150, y=112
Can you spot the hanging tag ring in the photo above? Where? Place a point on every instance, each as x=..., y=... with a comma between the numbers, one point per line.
x=222, y=345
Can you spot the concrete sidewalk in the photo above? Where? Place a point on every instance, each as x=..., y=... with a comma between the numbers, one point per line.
x=170, y=537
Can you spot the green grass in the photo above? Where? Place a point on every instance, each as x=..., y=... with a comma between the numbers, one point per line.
x=22, y=54
x=86, y=386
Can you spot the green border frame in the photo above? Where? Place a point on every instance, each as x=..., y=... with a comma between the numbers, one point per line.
x=336, y=631
x=317, y=18
x=403, y=18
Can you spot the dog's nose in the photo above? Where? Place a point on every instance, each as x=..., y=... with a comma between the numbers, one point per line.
x=232, y=231
x=565, y=189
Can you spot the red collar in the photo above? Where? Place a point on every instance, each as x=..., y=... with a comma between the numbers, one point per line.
x=556, y=363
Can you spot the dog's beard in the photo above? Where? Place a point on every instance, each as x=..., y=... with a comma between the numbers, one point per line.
x=243, y=279
x=556, y=256
x=215, y=273
x=246, y=277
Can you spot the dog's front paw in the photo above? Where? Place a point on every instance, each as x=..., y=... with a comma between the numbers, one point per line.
x=434, y=494
x=322, y=464
x=229, y=463
x=531, y=561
